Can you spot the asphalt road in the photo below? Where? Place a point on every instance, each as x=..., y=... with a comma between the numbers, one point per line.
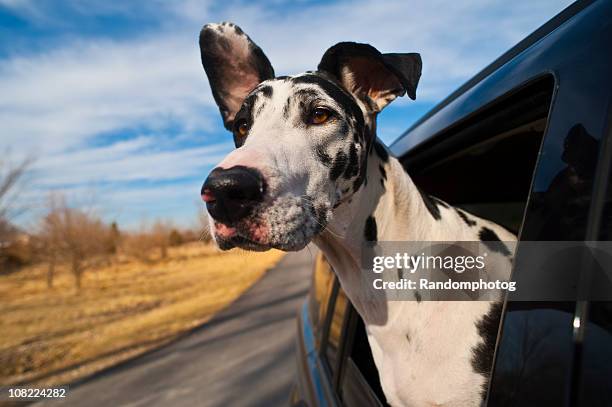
x=243, y=357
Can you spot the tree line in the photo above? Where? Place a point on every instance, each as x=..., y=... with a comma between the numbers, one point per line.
x=76, y=238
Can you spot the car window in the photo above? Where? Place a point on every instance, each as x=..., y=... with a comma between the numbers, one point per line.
x=485, y=165
x=539, y=359
x=594, y=339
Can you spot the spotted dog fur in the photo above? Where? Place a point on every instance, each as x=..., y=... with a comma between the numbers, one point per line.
x=336, y=185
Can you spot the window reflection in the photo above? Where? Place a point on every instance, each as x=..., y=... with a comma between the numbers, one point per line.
x=335, y=330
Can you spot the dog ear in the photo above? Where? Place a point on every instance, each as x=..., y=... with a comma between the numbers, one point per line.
x=370, y=75
x=234, y=64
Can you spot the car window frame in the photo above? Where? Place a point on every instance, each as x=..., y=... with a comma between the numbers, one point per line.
x=448, y=135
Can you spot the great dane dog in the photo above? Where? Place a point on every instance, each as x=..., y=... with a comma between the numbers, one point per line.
x=308, y=167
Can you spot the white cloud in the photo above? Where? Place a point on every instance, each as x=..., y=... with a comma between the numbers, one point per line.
x=127, y=161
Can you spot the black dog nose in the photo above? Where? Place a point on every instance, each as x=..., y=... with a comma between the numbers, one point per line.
x=230, y=194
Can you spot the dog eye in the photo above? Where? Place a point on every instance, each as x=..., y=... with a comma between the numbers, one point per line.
x=320, y=115
x=242, y=127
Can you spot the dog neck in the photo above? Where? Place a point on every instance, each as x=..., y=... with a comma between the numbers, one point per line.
x=387, y=207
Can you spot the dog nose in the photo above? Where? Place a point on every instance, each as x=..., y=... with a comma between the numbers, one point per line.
x=231, y=194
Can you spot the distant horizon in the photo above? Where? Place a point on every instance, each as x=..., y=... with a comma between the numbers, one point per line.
x=113, y=104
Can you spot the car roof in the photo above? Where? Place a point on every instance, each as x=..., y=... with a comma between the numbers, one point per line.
x=444, y=114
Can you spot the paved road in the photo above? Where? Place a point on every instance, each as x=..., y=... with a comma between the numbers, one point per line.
x=243, y=357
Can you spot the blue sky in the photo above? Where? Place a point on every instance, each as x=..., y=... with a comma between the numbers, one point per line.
x=110, y=98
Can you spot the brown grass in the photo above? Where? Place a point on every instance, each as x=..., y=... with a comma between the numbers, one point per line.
x=53, y=336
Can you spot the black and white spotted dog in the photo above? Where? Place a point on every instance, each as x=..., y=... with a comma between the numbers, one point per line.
x=308, y=167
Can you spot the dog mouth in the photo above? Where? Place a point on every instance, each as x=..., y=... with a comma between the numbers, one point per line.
x=287, y=241
x=286, y=225
x=245, y=235
x=243, y=243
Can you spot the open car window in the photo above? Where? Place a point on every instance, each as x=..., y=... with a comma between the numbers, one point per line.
x=485, y=163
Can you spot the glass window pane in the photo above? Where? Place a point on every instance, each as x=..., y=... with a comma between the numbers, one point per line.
x=321, y=288
x=335, y=330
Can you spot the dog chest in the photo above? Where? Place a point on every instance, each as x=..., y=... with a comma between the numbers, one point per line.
x=424, y=353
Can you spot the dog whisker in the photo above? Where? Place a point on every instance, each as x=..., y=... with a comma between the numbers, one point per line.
x=309, y=201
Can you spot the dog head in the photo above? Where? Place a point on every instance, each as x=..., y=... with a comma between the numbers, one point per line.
x=301, y=141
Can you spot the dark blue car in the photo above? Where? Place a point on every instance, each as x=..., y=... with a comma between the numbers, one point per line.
x=526, y=143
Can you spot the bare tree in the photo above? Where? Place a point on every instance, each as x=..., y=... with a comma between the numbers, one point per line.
x=138, y=245
x=160, y=232
x=74, y=237
x=176, y=238
x=151, y=243
x=11, y=175
x=114, y=238
x=48, y=246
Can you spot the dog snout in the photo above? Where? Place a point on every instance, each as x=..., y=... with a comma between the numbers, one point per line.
x=231, y=194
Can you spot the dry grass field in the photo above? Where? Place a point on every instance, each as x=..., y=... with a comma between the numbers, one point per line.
x=57, y=335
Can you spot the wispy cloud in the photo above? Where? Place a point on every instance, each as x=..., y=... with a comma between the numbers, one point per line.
x=113, y=94
x=135, y=160
x=72, y=94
